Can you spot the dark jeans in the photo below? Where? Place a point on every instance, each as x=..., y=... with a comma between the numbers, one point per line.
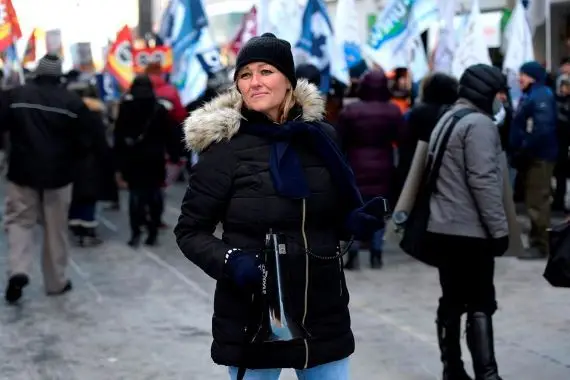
x=82, y=214
x=145, y=208
x=466, y=274
x=561, y=173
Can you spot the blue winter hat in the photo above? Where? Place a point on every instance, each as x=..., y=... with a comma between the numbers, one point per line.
x=534, y=70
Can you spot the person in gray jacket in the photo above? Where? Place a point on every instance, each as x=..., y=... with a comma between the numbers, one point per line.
x=468, y=225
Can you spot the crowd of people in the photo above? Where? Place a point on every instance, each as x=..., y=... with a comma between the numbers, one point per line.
x=268, y=153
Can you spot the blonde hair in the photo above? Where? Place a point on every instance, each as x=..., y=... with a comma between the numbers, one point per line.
x=286, y=106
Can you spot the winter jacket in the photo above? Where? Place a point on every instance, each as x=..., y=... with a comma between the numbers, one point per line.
x=49, y=132
x=166, y=91
x=536, y=112
x=367, y=129
x=144, y=133
x=231, y=184
x=469, y=194
x=468, y=199
x=90, y=170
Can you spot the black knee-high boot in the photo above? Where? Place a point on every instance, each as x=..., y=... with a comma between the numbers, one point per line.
x=481, y=343
x=448, y=336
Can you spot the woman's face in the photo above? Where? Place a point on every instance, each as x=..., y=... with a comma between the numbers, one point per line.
x=263, y=88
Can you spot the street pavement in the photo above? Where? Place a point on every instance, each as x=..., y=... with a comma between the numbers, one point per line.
x=145, y=313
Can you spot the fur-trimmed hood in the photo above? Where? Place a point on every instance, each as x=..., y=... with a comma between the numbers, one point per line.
x=220, y=118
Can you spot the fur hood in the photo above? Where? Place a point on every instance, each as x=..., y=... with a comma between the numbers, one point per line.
x=220, y=118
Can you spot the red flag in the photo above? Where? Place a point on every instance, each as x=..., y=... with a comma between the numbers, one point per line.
x=120, y=58
x=16, y=31
x=30, y=52
x=247, y=29
x=9, y=26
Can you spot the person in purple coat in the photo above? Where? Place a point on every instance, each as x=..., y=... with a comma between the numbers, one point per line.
x=368, y=129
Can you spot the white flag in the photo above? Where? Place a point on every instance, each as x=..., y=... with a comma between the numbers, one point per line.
x=346, y=31
x=446, y=42
x=519, y=49
x=536, y=13
x=473, y=47
x=280, y=17
x=418, y=61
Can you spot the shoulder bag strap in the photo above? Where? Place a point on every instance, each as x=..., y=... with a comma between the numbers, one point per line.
x=439, y=150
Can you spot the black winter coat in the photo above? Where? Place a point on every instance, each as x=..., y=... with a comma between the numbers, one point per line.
x=148, y=123
x=48, y=133
x=231, y=184
x=90, y=171
x=438, y=92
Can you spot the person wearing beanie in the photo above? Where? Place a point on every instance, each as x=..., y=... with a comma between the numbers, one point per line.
x=310, y=73
x=49, y=66
x=270, y=171
x=534, y=144
x=50, y=132
x=467, y=225
x=367, y=129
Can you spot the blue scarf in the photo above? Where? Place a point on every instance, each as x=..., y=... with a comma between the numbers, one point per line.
x=286, y=169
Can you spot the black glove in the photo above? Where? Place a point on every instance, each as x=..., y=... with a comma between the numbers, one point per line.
x=364, y=221
x=244, y=268
x=499, y=245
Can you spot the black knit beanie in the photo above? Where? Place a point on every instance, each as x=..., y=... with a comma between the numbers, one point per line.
x=269, y=49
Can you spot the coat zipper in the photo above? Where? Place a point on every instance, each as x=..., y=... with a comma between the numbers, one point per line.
x=306, y=245
x=340, y=272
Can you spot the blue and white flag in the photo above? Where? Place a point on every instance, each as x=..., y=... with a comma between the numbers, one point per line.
x=12, y=70
x=347, y=33
x=108, y=87
x=397, y=24
x=318, y=46
x=184, y=27
x=418, y=61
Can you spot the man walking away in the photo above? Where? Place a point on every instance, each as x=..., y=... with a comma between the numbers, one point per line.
x=48, y=134
x=535, y=146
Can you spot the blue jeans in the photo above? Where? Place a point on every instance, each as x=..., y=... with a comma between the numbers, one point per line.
x=376, y=244
x=331, y=371
x=512, y=176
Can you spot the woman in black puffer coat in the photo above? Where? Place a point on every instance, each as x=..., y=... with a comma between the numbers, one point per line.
x=268, y=164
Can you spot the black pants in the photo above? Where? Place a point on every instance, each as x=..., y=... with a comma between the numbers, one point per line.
x=561, y=172
x=466, y=274
x=145, y=208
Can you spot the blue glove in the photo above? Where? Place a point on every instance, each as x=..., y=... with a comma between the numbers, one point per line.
x=244, y=268
x=364, y=221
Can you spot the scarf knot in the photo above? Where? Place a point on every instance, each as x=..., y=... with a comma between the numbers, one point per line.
x=286, y=169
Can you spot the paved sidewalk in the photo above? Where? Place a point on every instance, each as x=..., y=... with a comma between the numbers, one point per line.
x=145, y=314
